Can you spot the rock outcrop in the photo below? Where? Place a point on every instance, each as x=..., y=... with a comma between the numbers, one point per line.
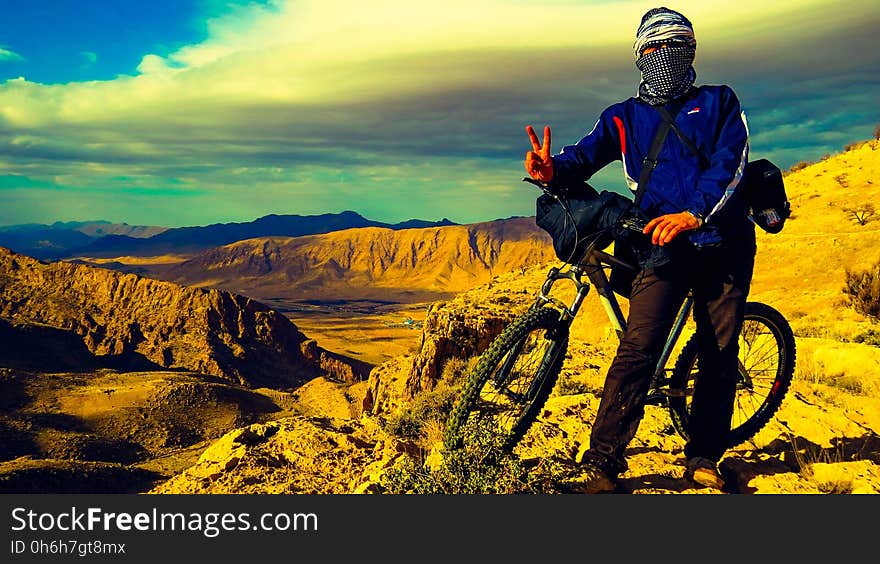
x=461, y=328
x=125, y=321
x=295, y=455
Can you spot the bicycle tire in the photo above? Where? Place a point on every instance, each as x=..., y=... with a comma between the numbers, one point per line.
x=518, y=393
x=776, y=345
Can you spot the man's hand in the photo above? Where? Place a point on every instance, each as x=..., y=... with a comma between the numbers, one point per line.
x=665, y=228
x=538, y=163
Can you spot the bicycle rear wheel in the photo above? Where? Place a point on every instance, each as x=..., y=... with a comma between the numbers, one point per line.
x=766, y=367
x=511, y=380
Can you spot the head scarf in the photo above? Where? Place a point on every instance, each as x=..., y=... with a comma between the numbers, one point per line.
x=666, y=73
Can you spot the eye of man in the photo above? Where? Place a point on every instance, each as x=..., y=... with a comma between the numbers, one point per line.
x=653, y=48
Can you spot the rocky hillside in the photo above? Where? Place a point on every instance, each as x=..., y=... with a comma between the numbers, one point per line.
x=824, y=439
x=63, y=316
x=369, y=263
x=107, y=431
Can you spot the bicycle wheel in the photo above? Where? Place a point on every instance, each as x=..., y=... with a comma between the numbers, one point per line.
x=766, y=367
x=511, y=380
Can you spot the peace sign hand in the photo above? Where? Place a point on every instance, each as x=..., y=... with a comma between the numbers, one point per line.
x=538, y=163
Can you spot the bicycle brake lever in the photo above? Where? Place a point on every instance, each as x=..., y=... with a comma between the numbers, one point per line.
x=544, y=187
x=537, y=183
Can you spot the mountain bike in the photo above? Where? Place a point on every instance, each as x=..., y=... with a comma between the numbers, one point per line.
x=514, y=377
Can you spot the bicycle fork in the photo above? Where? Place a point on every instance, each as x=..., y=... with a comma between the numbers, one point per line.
x=556, y=335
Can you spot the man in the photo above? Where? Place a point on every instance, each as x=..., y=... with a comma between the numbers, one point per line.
x=697, y=222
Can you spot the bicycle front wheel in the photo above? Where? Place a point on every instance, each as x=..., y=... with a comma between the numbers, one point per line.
x=511, y=380
x=766, y=367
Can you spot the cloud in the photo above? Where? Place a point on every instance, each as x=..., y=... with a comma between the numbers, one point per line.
x=7, y=55
x=415, y=109
x=89, y=58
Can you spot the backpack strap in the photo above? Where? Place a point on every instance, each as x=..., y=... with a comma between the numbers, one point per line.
x=650, y=162
x=667, y=117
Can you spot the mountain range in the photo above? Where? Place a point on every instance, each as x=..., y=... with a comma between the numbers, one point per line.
x=371, y=263
x=103, y=239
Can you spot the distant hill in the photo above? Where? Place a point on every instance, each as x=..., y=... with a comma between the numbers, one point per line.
x=51, y=241
x=375, y=263
x=183, y=240
x=43, y=242
x=97, y=228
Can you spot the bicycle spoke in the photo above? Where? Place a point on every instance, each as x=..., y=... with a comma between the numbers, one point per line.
x=507, y=395
x=751, y=352
x=741, y=409
x=766, y=365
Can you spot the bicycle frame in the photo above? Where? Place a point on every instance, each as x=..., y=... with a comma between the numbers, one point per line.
x=593, y=265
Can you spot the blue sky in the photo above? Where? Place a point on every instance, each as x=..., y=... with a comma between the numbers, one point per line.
x=60, y=41
x=202, y=111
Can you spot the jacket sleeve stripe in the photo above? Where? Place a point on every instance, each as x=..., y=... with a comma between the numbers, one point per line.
x=731, y=188
x=622, y=133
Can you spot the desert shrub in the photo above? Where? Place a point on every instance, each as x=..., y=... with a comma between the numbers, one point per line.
x=568, y=386
x=413, y=420
x=877, y=132
x=456, y=369
x=855, y=385
x=869, y=337
x=481, y=467
x=862, y=213
x=862, y=291
x=812, y=331
x=799, y=166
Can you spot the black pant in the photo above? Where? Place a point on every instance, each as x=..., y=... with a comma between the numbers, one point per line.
x=720, y=279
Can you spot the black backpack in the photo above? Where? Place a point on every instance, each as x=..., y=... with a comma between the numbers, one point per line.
x=764, y=192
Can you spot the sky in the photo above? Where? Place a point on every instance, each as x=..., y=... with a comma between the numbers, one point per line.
x=193, y=112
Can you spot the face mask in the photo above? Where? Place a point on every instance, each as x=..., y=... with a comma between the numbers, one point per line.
x=666, y=73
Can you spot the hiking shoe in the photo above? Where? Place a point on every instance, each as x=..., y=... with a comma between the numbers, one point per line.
x=590, y=479
x=704, y=472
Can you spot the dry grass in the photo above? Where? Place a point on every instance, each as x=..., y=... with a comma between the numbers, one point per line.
x=808, y=456
x=455, y=370
x=851, y=368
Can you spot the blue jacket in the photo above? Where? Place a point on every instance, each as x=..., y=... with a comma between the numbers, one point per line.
x=712, y=119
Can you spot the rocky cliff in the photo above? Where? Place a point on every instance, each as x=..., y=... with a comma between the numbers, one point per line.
x=70, y=312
